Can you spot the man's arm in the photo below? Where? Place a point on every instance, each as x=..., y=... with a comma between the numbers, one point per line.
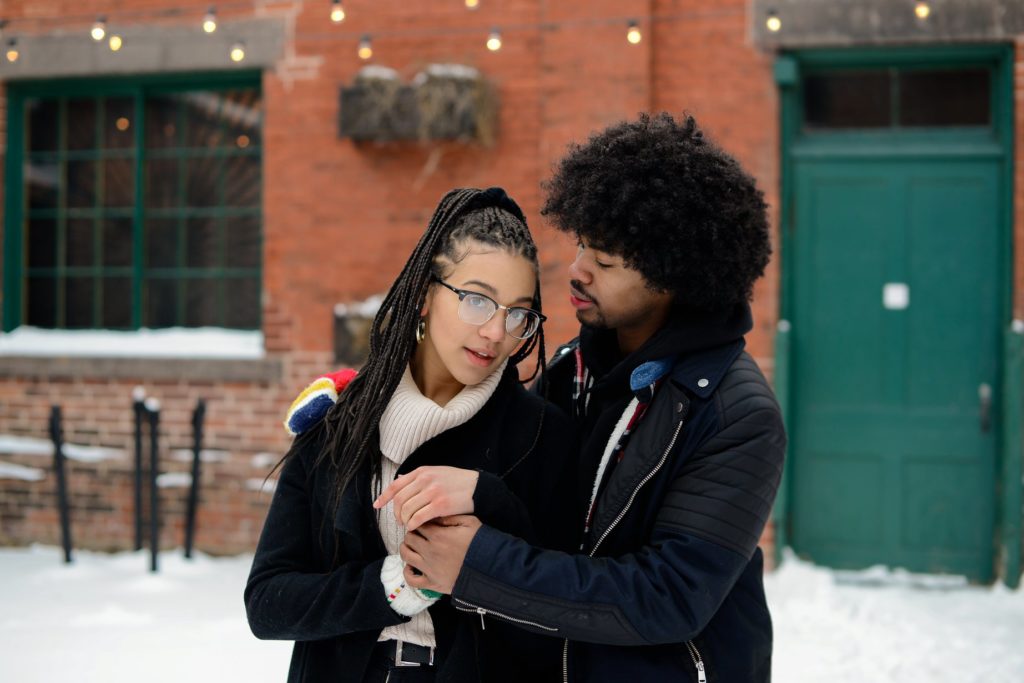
x=705, y=533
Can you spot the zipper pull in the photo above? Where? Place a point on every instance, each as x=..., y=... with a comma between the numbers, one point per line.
x=481, y=611
x=701, y=678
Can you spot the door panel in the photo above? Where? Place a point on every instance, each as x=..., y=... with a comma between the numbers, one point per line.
x=891, y=464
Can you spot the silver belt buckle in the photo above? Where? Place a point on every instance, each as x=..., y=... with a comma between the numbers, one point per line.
x=398, y=656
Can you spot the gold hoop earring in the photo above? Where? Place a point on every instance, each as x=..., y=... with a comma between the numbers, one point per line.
x=421, y=331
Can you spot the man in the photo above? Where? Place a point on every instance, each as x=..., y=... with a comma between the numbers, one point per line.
x=682, y=438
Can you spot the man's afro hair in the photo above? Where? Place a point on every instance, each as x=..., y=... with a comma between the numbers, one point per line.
x=669, y=202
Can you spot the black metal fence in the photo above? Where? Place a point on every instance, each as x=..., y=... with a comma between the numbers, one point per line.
x=146, y=416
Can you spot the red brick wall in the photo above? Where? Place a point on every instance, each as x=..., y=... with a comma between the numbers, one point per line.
x=242, y=421
x=340, y=218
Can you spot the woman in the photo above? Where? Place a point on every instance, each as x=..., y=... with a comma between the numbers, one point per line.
x=439, y=394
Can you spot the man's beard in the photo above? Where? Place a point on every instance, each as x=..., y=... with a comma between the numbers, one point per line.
x=599, y=323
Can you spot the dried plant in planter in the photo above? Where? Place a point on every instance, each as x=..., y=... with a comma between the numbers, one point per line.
x=444, y=102
x=455, y=103
x=378, y=107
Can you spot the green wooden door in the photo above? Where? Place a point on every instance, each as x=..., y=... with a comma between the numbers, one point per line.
x=896, y=350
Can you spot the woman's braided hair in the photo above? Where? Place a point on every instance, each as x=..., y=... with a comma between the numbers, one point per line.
x=349, y=435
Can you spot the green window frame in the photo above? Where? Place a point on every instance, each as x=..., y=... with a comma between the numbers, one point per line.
x=155, y=216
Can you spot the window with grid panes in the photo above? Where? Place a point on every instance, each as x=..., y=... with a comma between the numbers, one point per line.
x=142, y=207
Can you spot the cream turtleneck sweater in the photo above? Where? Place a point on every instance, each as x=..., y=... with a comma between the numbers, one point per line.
x=410, y=420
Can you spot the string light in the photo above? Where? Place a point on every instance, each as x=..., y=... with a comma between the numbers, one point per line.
x=633, y=34
x=12, y=50
x=922, y=10
x=337, y=12
x=365, y=50
x=210, y=20
x=99, y=29
x=773, y=22
x=494, y=40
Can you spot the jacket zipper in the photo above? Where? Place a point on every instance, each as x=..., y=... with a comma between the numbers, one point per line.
x=698, y=661
x=481, y=611
x=611, y=527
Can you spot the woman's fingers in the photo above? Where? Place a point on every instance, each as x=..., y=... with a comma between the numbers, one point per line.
x=441, y=490
x=393, y=489
x=422, y=516
x=402, y=488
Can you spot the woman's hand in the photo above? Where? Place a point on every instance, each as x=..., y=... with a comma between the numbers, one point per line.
x=429, y=492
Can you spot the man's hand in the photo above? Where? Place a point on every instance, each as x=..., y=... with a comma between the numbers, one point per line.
x=437, y=550
x=429, y=492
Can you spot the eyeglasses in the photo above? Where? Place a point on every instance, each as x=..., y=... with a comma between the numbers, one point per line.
x=477, y=309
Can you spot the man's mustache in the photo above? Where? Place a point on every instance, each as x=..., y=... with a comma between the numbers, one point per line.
x=579, y=289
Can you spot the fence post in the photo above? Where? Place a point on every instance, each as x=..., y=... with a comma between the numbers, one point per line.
x=153, y=408
x=139, y=412
x=56, y=433
x=193, y=493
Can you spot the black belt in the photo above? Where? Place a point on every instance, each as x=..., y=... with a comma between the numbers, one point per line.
x=405, y=654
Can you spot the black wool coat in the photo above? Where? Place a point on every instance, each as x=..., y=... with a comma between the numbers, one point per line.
x=315, y=576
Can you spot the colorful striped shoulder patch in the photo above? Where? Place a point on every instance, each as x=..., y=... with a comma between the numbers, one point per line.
x=315, y=400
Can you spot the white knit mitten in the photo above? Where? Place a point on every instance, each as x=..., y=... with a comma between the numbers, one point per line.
x=404, y=599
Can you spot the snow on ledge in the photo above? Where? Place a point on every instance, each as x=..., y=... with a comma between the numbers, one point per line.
x=260, y=485
x=454, y=71
x=174, y=480
x=26, y=445
x=263, y=460
x=205, y=455
x=362, y=309
x=8, y=470
x=174, y=342
x=379, y=72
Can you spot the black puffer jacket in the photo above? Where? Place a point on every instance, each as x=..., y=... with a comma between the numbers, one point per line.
x=669, y=584
x=316, y=576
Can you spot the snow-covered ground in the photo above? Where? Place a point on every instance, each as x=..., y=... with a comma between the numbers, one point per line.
x=879, y=626
x=106, y=619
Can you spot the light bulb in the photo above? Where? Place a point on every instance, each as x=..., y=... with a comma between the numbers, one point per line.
x=99, y=29
x=365, y=50
x=337, y=12
x=472, y=4
x=210, y=20
x=115, y=42
x=633, y=34
x=922, y=10
x=494, y=41
x=12, y=50
x=237, y=52
x=773, y=22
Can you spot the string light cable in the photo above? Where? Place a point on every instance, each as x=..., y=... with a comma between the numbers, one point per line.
x=207, y=18
x=205, y=12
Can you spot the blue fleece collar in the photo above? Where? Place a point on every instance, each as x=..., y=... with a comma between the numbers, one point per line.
x=646, y=374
